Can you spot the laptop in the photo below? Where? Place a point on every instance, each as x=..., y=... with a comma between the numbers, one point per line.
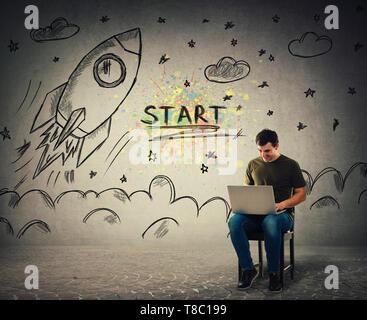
x=257, y=200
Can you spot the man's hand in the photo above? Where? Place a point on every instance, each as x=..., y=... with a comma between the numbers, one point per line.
x=280, y=206
x=298, y=197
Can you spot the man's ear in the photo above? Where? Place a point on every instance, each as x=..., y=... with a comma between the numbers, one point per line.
x=277, y=146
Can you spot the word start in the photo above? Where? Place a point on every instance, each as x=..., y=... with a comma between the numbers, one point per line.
x=184, y=114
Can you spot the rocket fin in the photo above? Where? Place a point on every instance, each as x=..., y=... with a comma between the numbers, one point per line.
x=130, y=40
x=48, y=109
x=75, y=119
x=94, y=141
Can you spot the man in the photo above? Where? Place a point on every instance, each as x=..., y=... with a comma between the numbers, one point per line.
x=284, y=174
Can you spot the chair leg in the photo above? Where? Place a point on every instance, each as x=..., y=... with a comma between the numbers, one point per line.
x=239, y=272
x=281, y=267
x=291, y=254
x=260, y=259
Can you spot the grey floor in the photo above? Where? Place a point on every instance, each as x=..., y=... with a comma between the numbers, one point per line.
x=148, y=271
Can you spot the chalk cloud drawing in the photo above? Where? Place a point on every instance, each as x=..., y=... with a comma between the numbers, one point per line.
x=76, y=120
x=310, y=45
x=113, y=209
x=115, y=216
x=325, y=201
x=339, y=179
x=162, y=229
x=227, y=70
x=9, y=228
x=360, y=195
x=59, y=29
x=39, y=224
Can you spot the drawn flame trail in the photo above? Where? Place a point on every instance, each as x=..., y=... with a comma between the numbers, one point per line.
x=51, y=149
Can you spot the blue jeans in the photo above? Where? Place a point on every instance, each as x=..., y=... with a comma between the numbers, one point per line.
x=272, y=225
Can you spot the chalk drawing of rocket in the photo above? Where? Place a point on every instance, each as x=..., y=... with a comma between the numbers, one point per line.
x=77, y=114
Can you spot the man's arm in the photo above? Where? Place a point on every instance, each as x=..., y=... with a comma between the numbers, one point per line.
x=299, y=196
x=248, y=181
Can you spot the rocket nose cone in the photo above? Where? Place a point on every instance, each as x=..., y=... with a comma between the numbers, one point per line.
x=130, y=40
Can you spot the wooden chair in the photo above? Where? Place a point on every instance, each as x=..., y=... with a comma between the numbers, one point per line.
x=259, y=237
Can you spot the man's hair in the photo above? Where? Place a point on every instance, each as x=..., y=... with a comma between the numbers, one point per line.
x=265, y=136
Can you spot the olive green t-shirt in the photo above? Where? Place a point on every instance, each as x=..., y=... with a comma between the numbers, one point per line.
x=284, y=174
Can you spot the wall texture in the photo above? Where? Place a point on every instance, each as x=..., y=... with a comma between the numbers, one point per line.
x=270, y=64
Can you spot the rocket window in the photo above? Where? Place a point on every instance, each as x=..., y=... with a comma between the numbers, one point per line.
x=109, y=71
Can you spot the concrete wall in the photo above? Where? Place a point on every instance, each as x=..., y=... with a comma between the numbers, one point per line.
x=238, y=29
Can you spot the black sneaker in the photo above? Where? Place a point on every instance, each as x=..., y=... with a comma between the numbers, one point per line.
x=247, y=278
x=274, y=282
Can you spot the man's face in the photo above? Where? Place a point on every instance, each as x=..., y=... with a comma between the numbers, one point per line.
x=268, y=152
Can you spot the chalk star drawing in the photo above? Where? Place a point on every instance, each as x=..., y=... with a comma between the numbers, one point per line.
x=164, y=59
x=104, y=19
x=204, y=168
x=358, y=46
x=229, y=25
x=276, y=18
x=359, y=8
x=309, y=92
x=352, y=91
x=5, y=134
x=263, y=85
x=335, y=124
x=13, y=46
x=301, y=126
x=261, y=52
x=152, y=156
x=191, y=43
x=92, y=174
